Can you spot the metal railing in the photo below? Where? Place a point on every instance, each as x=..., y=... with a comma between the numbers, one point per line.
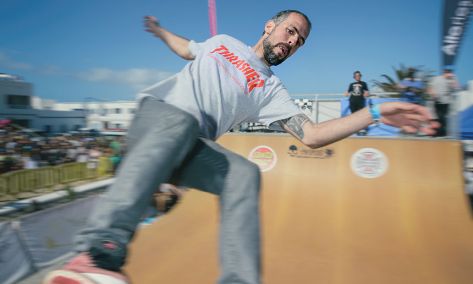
x=26, y=183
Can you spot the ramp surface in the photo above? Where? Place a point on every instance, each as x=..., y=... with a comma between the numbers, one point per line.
x=395, y=214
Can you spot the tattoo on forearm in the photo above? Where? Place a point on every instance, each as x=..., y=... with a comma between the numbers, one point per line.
x=295, y=124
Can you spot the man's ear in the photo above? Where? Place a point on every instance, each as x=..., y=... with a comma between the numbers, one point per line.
x=268, y=28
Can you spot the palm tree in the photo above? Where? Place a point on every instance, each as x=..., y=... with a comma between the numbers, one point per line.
x=391, y=84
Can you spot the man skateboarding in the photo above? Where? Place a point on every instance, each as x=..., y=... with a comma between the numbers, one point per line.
x=172, y=140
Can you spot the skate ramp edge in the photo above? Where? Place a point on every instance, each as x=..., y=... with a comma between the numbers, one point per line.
x=358, y=211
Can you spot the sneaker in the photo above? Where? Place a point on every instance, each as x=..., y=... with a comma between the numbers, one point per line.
x=82, y=270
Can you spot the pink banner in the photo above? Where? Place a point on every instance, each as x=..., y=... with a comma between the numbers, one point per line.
x=212, y=17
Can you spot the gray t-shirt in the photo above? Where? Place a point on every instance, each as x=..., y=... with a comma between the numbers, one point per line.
x=226, y=84
x=443, y=89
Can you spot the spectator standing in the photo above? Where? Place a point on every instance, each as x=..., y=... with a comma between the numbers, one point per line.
x=442, y=89
x=357, y=92
x=412, y=88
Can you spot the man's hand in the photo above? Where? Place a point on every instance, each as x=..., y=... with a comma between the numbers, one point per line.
x=177, y=44
x=152, y=25
x=409, y=117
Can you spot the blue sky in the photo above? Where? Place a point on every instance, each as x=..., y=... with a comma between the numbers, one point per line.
x=73, y=50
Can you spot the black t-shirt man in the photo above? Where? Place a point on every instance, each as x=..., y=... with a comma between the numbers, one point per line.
x=357, y=91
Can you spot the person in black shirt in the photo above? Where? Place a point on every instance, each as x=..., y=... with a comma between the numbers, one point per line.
x=357, y=91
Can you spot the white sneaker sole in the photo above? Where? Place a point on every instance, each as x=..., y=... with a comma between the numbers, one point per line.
x=70, y=277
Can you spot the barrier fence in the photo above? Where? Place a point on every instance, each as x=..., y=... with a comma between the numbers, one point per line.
x=27, y=183
x=35, y=241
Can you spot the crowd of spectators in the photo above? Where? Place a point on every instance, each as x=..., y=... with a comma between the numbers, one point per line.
x=20, y=149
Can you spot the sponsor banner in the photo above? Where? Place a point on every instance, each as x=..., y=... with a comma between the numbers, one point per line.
x=455, y=20
x=303, y=152
x=369, y=163
x=49, y=234
x=15, y=263
x=264, y=157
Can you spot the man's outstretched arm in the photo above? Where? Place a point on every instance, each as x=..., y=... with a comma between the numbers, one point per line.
x=410, y=117
x=177, y=44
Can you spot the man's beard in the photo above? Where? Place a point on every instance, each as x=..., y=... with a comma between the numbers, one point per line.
x=270, y=56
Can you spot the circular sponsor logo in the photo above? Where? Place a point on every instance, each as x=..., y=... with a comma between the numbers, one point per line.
x=264, y=157
x=369, y=163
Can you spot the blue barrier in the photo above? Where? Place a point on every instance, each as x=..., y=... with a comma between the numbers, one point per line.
x=379, y=129
x=466, y=123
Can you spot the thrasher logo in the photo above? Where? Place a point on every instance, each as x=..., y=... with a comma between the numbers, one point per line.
x=253, y=78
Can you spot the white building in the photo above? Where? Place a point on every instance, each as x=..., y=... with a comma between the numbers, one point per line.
x=18, y=104
x=103, y=115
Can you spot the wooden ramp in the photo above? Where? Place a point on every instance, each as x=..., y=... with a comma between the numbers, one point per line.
x=395, y=214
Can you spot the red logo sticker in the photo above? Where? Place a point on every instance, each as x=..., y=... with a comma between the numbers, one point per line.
x=264, y=157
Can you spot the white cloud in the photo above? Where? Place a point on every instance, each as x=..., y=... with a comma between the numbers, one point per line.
x=137, y=78
x=7, y=62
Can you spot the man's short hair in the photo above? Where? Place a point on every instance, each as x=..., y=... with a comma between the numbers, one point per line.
x=356, y=72
x=282, y=15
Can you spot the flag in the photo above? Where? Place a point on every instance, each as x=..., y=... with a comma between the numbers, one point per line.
x=455, y=20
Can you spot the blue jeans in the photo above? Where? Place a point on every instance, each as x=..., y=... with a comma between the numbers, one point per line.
x=164, y=147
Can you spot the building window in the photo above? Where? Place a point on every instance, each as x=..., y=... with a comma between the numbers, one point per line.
x=131, y=110
x=18, y=101
x=118, y=110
